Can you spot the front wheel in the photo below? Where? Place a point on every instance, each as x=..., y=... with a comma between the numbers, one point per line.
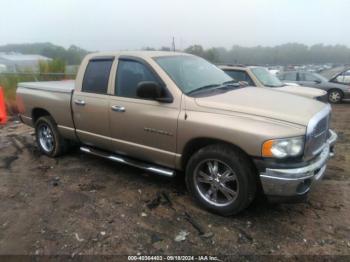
x=335, y=96
x=221, y=179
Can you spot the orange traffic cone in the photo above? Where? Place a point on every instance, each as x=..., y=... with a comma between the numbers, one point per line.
x=3, y=114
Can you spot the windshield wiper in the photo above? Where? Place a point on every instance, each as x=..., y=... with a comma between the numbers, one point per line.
x=230, y=82
x=203, y=88
x=272, y=85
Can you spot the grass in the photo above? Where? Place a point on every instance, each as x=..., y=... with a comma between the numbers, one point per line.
x=9, y=83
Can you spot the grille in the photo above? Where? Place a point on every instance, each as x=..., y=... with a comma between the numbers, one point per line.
x=317, y=137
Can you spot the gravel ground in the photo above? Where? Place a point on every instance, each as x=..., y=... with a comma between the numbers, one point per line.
x=79, y=204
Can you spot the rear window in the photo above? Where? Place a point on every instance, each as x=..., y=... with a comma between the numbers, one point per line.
x=96, y=76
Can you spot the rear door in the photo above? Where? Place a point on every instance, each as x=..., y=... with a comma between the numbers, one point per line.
x=91, y=106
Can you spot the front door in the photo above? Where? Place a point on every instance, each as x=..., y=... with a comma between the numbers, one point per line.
x=91, y=105
x=145, y=129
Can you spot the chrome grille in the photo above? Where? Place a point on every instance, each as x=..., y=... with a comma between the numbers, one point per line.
x=317, y=133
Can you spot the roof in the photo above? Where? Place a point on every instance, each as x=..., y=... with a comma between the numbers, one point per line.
x=141, y=54
x=21, y=57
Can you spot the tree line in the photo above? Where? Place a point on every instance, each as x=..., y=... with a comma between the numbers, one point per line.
x=286, y=54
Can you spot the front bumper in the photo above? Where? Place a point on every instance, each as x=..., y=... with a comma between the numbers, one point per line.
x=295, y=182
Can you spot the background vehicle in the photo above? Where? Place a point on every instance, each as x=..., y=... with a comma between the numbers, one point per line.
x=164, y=112
x=261, y=77
x=336, y=92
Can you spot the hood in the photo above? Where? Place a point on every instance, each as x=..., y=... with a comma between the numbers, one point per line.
x=302, y=91
x=332, y=73
x=264, y=102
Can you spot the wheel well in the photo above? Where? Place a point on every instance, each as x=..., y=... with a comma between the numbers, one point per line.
x=337, y=89
x=39, y=112
x=198, y=143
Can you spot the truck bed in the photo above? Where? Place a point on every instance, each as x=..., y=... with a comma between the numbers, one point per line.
x=54, y=97
x=65, y=86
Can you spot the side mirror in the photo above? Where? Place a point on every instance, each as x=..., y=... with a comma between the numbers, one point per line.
x=153, y=91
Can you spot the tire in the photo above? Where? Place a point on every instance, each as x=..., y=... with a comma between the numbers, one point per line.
x=242, y=180
x=335, y=96
x=49, y=140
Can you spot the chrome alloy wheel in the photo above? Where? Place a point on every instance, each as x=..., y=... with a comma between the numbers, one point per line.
x=216, y=182
x=46, y=139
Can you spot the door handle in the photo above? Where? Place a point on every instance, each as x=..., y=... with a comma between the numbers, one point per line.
x=118, y=108
x=79, y=102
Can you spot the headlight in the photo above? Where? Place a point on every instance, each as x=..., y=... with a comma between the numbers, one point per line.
x=285, y=147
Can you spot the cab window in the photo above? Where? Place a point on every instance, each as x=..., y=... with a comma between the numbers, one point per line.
x=96, y=76
x=129, y=74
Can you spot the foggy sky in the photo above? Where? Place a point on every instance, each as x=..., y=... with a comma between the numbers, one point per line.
x=133, y=24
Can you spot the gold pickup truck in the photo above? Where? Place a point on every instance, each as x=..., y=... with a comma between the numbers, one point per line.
x=172, y=113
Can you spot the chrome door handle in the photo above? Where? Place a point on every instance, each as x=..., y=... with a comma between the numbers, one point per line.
x=79, y=102
x=118, y=108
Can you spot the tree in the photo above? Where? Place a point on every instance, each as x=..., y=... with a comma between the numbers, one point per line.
x=53, y=66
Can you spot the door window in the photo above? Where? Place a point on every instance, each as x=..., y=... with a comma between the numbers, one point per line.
x=129, y=75
x=308, y=77
x=289, y=76
x=240, y=76
x=96, y=76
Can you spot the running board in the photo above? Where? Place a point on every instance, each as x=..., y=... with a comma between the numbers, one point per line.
x=131, y=162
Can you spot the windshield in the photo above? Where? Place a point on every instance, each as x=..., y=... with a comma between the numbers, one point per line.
x=266, y=78
x=191, y=72
x=320, y=77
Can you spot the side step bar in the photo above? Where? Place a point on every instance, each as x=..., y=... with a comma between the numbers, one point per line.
x=131, y=162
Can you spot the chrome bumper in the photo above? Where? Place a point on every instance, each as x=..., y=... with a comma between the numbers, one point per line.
x=297, y=181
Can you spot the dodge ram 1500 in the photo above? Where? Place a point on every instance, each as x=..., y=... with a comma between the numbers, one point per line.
x=172, y=112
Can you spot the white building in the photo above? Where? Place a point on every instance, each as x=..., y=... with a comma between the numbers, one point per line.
x=16, y=62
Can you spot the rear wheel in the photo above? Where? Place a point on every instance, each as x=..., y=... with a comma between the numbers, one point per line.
x=335, y=96
x=221, y=179
x=49, y=140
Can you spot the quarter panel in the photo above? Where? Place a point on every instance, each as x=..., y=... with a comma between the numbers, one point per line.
x=56, y=103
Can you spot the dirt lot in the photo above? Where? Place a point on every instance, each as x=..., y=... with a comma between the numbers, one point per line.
x=79, y=204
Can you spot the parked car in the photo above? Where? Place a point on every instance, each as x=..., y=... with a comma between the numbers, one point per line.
x=171, y=112
x=336, y=92
x=261, y=77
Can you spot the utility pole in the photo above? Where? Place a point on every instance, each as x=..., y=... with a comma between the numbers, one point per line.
x=173, y=44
